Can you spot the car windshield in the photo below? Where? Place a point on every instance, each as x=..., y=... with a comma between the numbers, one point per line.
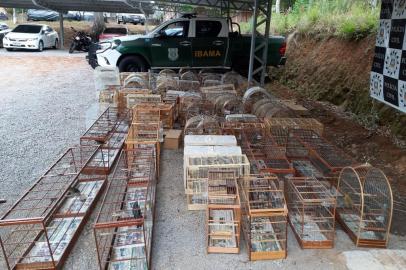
x=30, y=29
x=122, y=31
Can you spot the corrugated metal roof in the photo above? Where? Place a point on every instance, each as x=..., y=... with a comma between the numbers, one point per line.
x=129, y=6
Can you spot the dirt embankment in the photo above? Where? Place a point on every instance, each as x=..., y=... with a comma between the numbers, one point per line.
x=338, y=71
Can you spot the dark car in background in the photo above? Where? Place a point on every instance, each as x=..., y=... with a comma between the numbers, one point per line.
x=3, y=16
x=130, y=18
x=42, y=15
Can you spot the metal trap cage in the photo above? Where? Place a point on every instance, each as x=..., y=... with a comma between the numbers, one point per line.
x=108, y=132
x=311, y=212
x=264, y=217
x=223, y=213
x=40, y=229
x=124, y=225
x=307, y=144
x=365, y=205
x=197, y=173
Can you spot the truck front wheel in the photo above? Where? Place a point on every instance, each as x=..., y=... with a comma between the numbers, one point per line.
x=133, y=63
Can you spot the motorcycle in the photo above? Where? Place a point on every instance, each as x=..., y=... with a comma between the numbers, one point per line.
x=81, y=41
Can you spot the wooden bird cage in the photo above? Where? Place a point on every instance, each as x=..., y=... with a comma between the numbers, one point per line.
x=134, y=99
x=311, y=214
x=41, y=228
x=365, y=205
x=124, y=225
x=154, y=112
x=264, y=217
x=223, y=213
x=197, y=173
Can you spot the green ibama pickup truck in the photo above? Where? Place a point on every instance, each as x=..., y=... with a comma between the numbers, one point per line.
x=192, y=42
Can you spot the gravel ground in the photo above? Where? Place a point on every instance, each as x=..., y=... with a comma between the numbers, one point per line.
x=44, y=100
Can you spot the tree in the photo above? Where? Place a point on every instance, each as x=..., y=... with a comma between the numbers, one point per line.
x=99, y=24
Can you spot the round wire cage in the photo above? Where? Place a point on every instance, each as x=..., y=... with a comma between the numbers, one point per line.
x=253, y=95
x=365, y=205
x=202, y=124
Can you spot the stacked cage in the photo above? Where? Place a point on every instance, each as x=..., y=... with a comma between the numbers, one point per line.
x=223, y=213
x=365, y=205
x=197, y=172
x=264, y=217
x=40, y=229
x=311, y=212
x=124, y=225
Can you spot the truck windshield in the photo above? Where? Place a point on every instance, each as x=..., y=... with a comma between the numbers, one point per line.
x=29, y=29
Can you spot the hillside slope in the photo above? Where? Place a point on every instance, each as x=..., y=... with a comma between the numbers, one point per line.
x=338, y=71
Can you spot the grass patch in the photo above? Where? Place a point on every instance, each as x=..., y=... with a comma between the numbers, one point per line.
x=348, y=19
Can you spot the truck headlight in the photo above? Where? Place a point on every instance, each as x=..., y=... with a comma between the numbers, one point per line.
x=116, y=43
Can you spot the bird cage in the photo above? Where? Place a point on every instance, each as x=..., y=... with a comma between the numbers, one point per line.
x=223, y=213
x=124, y=225
x=365, y=205
x=311, y=214
x=133, y=99
x=188, y=86
x=145, y=134
x=40, y=229
x=108, y=131
x=254, y=94
x=307, y=144
x=295, y=123
x=264, y=217
x=197, y=173
x=154, y=112
x=264, y=155
x=202, y=125
x=123, y=93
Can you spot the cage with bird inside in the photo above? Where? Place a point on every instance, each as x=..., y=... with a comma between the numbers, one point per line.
x=311, y=212
x=124, y=225
x=264, y=217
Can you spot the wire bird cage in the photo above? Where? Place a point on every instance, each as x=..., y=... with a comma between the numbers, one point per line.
x=108, y=131
x=306, y=144
x=202, y=125
x=223, y=213
x=311, y=212
x=365, y=205
x=40, y=229
x=279, y=127
x=124, y=225
x=197, y=173
x=263, y=152
x=264, y=217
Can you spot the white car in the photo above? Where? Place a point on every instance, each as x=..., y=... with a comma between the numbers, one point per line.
x=31, y=36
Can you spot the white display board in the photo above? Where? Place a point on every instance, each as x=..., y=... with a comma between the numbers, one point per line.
x=388, y=75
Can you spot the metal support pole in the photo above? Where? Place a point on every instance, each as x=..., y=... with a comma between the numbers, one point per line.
x=61, y=31
x=259, y=42
x=252, y=48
